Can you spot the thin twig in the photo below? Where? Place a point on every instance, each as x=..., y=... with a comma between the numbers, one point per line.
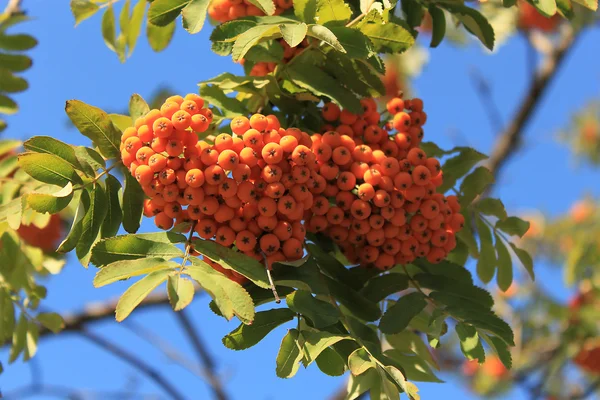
x=510, y=140
x=63, y=392
x=204, y=356
x=134, y=361
x=483, y=90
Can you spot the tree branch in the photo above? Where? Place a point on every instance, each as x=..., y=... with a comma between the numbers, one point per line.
x=136, y=362
x=13, y=7
x=204, y=356
x=62, y=392
x=510, y=140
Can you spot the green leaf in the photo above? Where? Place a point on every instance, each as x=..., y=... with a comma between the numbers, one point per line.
x=505, y=271
x=332, y=11
x=289, y=356
x=360, y=361
x=470, y=344
x=332, y=267
x=398, y=316
x=194, y=15
x=352, y=41
x=456, y=286
x=138, y=292
x=251, y=37
x=91, y=223
x=114, y=215
x=164, y=12
x=137, y=106
x=525, y=259
x=7, y=105
x=121, y=270
x=7, y=316
x=231, y=107
x=10, y=83
x=306, y=278
x=51, y=202
x=413, y=366
x=490, y=206
x=225, y=34
x=293, y=34
x=306, y=74
x=546, y=7
x=48, y=168
x=131, y=247
x=565, y=8
x=514, y=226
x=331, y=363
x=15, y=62
x=305, y=10
x=473, y=21
x=316, y=342
x=500, y=348
x=82, y=10
x=135, y=25
x=49, y=145
x=386, y=37
x=19, y=337
x=180, y=291
x=320, y=313
x=121, y=122
x=246, y=336
x=90, y=160
x=359, y=385
x=410, y=342
x=413, y=12
x=234, y=260
x=591, y=4
x=159, y=37
x=474, y=184
x=325, y=35
x=389, y=390
x=266, y=6
x=108, y=29
x=382, y=286
x=458, y=166
x=357, y=304
x=52, y=321
x=231, y=298
x=70, y=242
x=486, y=264
x=438, y=22
x=31, y=340
x=20, y=42
x=133, y=202
x=95, y=124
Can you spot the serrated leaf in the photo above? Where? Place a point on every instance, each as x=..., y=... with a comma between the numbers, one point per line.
x=332, y=11
x=486, y=264
x=51, y=202
x=266, y=6
x=228, y=105
x=386, y=37
x=159, y=37
x=194, y=15
x=331, y=363
x=293, y=34
x=360, y=361
x=164, y=12
x=48, y=168
x=251, y=37
x=82, y=10
x=473, y=21
x=398, y=316
x=438, y=23
x=413, y=366
x=91, y=223
x=410, y=342
x=180, y=291
x=289, y=356
x=505, y=270
x=108, y=28
x=382, y=286
x=546, y=7
x=52, y=321
x=458, y=166
x=131, y=247
x=470, y=344
x=234, y=260
x=514, y=226
x=356, y=303
x=316, y=342
x=114, y=215
x=245, y=336
x=49, y=145
x=133, y=202
x=120, y=270
x=353, y=42
x=456, y=286
x=138, y=292
x=474, y=184
x=491, y=206
x=90, y=160
x=565, y=8
x=500, y=348
x=320, y=313
x=230, y=298
x=325, y=35
x=305, y=10
x=525, y=259
x=95, y=124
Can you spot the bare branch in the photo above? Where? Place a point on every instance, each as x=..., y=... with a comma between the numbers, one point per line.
x=134, y=361
x=510, y=140
x=484, y=91
x=63, y=392
x=204, y=356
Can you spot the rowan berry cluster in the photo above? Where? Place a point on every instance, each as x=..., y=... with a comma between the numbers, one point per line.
x=228, y=10
x=264, y=68
x=386, y=208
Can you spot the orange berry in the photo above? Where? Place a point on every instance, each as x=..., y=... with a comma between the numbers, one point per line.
x=144, y=174
x=401, y=122
x=194, y=178
x=346, y=181
x=395, y=105
x=272, y=153
x=292, y=249
x=206, y=228
x=225, y=236
x=143, y=155
x=330, y=112
x=228, y=159
x=224, y=213
x=181, y=119
x=416, y=156
x=163, y=221
x=199, y=123
x=372, y=176
x=245, y=240
x=223, y=142
x=421, y=175
x=301, y=155
x=162, y=127
x=259, y=122
x=269, y=243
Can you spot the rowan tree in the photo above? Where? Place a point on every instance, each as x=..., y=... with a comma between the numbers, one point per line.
x=305, y=200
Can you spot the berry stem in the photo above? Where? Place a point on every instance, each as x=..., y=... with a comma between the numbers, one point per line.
x=277, y=299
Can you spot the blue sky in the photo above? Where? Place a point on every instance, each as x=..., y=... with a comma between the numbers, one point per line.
x=73, y=63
